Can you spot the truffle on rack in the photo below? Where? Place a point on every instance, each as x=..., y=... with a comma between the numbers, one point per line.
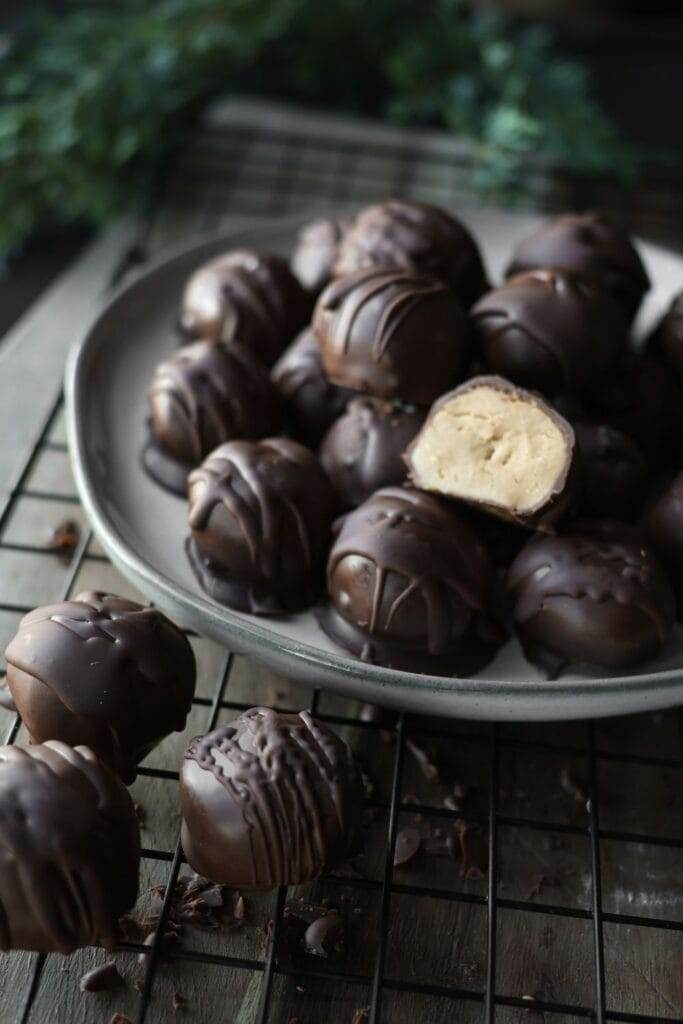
x=271, y=799
x=260, y=515
x=246, y=296
x=70, y=849
x=203, y=395
x=414, y=236
x=101, y=671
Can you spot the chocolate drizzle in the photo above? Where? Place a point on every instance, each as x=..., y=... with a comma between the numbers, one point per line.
x=103, y=671
x=70, y=849
x=550, y=330
x=261, y=513
x=412, y=582
x=372, y=327
x=291, y=801
x=248, y=297
x=416, y=237
x=591, y=245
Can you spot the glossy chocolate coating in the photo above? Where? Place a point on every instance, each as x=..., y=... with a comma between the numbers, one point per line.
x=550, y=331
x=363, y=450
x=316, y=252
x=272, y=799
x=246, y=296
x=312, y=403
x=667, y=339
x=644, y=400
x=203, y=395
x=70, y=849
x=614, y=473
x=410, y=585
x=663, y=524
x=417, y=237
x=393, y=334
x=595, y=595
x=591, y=245
x=104, y=672
x=260, y=515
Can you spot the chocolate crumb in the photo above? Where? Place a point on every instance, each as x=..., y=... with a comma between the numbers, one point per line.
x=139, y=984
x=65, y=537
x=573, y=787
x=140, y=814
x=178, y=1001
x=425, y=763
x=120, y=1018
x=408, y=842
x=101, y=978
x=325, y=936
x=361, y=1016
x=469, y=844
x=541, y=882
x=239, y=911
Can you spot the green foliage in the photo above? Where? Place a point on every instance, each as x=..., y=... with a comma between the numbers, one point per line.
x=93, y=102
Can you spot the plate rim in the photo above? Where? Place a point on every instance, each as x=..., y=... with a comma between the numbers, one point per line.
x=247, y=634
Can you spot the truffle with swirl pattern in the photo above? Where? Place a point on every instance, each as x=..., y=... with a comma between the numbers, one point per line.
x=272, y=799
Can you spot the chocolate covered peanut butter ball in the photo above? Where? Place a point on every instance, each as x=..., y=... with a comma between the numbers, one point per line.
x=70, y=849
x=246, y=296
x=271, y=799
x=417, y=237
x=104, y=672
x=260, y=514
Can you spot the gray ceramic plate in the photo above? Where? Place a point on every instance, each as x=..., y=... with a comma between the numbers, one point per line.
x=142, y=528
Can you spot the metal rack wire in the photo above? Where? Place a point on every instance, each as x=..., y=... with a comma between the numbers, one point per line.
x=218, y=185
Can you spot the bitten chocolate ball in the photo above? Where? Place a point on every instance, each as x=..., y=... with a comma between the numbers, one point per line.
x=596, y=595
x=614, y=473
x=663, y=524
x=312, y=403
x=260, y=515
x=410, y=585
x=667, y=339
x=417, y=237
x=246, y=296
x=272, y=799
x=363, y=450
x=501, y=449
x=393, y=334
x=644, y=400
x=203, y=395
x=591, y=245
x=316, y=252
x=550, y=331
x=104, y=672
x=70, y=849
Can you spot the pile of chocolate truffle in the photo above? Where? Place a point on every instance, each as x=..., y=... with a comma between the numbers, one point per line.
x=271, y=799
x=429, y=462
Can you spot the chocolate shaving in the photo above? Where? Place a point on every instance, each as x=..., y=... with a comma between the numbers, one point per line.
x=101, y=978
x=469, y=844
x=425, y=763
x=178, y=1001
x=140, y=814
x=573, y=787
x=408, y=842
x=65, y=537
x=120, y=1018
x=361, y=1016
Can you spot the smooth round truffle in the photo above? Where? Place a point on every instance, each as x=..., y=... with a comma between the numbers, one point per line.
x=663, y=524
x=614, y=473
x=272, y=799
x=417, y=237
x=596, y=595
x=550, y=331
x=104, y=672
x=70, y=849
x=316, y=252
x=204, y=395
x=644, y=400
x=260, y=515
x=591, y=245
x=246, y=296
x=410, y=586
x=667, y=339
x=363, y=450
x=394, y=334
x=312, y=403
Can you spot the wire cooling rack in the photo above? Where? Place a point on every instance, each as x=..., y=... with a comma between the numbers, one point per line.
x=580, y=913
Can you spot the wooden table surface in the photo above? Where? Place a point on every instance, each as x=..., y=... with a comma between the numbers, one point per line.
x=587, y=818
